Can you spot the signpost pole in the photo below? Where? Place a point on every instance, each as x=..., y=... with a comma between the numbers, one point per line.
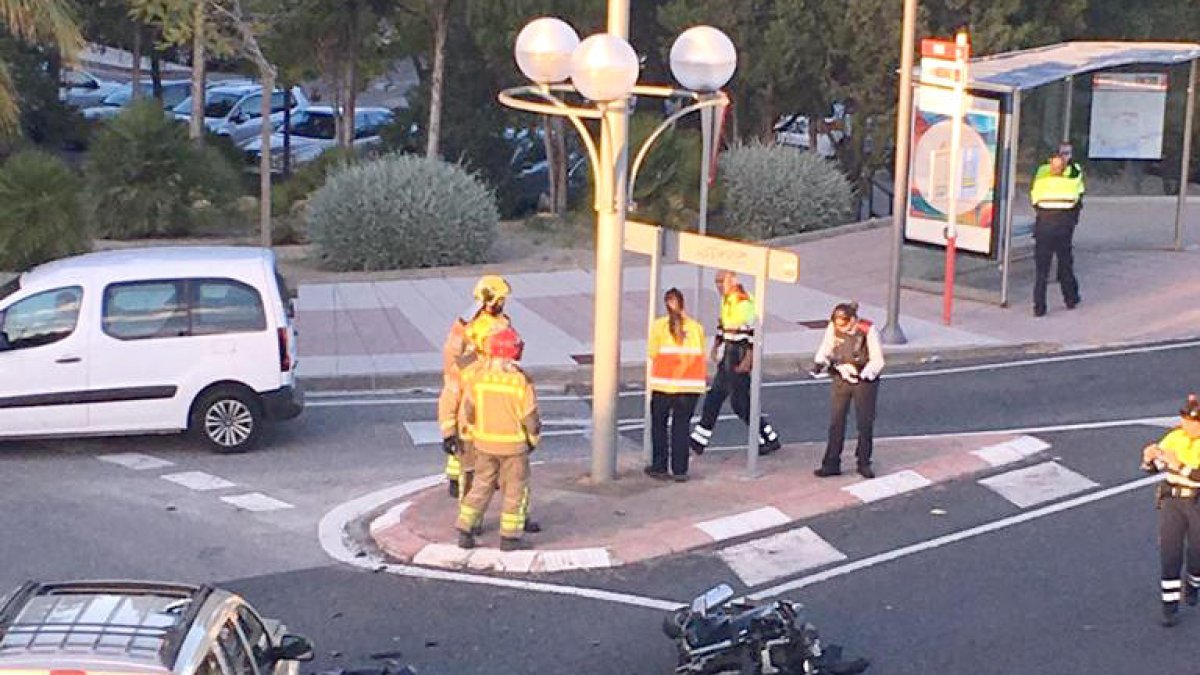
x=760, y=344
x=651, y=305
x=1184, y=171
x=956, y=120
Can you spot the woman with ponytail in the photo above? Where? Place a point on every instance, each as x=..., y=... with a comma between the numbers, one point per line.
x=677, y=378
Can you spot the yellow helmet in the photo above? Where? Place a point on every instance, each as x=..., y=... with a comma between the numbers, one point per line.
x=491, y=288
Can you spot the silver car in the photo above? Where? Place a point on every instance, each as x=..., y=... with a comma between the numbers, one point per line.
x=173, y=91
x=141, y=628
x=235, y=109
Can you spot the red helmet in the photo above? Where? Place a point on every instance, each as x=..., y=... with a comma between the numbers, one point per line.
x=505, y=344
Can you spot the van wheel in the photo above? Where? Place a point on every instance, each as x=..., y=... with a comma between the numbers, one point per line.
x=227, y=419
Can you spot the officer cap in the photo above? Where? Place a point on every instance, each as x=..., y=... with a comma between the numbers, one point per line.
x=844, y=310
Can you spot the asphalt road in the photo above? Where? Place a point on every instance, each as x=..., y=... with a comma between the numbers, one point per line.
x=1070, y=592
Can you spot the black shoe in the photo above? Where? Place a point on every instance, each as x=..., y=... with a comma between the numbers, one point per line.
x=466, y=540
x=1191, y=594
x=477, y=530
x=827, y=471
x=509, y=544
x=866, y=471
x=452, y=488
x=1170, y=614
x=697, y=448
x=680, y=478
x=532, y=526
x=1039, y=311
x=655, y=473
x=769, y=447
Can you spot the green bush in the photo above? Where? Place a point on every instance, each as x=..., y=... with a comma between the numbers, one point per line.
x=40, y=214
x=402, y=211
x=147, y=179
x=772, y=190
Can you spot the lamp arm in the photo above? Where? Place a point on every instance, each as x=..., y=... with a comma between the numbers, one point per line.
x=713, y=101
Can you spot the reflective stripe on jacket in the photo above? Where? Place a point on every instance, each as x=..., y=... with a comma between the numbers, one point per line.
x=1058, y=193
x=500, y=407
x=737, y=317
x=677, y=367
x=1187, y=450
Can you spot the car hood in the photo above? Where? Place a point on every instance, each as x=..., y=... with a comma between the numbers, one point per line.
x=299, y=143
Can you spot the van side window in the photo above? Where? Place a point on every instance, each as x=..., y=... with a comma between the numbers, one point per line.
x=226, y=306
x=41, y=319
x=145, y=309
x=236, y=654
x=211, y=665
x=256, y=635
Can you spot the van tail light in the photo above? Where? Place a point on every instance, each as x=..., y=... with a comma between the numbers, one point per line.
x=285, y=352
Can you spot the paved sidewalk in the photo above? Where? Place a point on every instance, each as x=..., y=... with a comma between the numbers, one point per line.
x=637, y=518
x=379, y=334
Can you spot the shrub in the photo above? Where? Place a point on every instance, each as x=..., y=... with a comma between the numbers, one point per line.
x=771, y=190
x=402, y=211
x=147, y=179
x=40, y=215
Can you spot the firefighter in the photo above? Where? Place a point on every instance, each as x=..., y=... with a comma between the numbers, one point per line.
x=500, y=408
x=733, y=349
x=1178, y=455
x=462, y=347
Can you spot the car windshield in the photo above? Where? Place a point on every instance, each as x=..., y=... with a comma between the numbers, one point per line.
x=313, y=125
x=216, y=104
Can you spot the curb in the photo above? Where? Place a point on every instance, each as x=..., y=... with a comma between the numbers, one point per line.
x=388, y=532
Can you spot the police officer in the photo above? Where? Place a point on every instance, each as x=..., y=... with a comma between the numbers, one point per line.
x=733, y=349
x=500, y=407
x=853, y=353
x=463, y=345
x=1056, y=198
x=1178, y=455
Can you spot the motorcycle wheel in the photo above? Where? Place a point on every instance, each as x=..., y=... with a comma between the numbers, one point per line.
x=674, y=622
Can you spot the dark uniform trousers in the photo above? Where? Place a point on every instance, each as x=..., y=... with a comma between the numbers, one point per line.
x=1178, y=519
x=673, y=411
x=735, y=387
x=864, y=394
x=1052, y=235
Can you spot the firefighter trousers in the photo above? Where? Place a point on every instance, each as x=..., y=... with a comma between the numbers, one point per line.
x=511, y=473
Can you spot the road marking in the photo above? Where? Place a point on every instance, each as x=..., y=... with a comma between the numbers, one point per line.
x=257, y=502
x=198, y=481
x=744, y=523
x=391, y=517
x=890, y=485
x=135, y=461
x=762, y=560
x=954, y=537
x=1038, y=484
x=424, y=432
x=572, y=559
x=1011, y=451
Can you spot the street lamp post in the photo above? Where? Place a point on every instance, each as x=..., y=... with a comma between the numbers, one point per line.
x=892, y=333
x=603, y=69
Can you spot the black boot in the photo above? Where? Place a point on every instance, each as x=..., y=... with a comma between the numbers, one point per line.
x=1191, y=594
x=452, y=487
x=1170, y=614
x=509, y=544
x=532, y=526
x=466, y=540
x=826, y=471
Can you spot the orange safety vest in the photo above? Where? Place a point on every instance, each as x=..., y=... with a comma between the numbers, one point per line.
x=677, y=367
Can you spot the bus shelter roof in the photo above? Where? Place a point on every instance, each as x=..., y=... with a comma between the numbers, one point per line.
x=1030, y=68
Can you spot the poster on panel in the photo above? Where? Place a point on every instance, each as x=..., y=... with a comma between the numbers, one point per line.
x=1128, y=113
x=929, y=173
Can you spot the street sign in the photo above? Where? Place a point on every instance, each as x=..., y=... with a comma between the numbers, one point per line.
x=735, y=256
x=642, y=237
x=943, y=71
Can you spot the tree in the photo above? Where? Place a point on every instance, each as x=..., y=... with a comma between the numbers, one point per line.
x=50, y=22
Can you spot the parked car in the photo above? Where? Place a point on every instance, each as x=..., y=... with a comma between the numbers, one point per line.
x=312, y=133
x=149, y=340
x=81, y=89
x=234, y=109
x=149, y=628
x=173, y=91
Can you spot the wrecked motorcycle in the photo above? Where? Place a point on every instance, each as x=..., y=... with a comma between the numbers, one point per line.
x=718, y=635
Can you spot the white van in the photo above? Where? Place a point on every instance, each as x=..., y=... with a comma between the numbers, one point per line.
x=149, y=340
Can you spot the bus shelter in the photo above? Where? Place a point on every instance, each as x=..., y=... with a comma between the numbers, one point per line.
x=1132, y=103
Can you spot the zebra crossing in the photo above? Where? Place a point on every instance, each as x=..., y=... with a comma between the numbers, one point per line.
x=798, y=550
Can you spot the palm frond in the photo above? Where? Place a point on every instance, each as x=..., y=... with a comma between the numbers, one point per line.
x=52, y=22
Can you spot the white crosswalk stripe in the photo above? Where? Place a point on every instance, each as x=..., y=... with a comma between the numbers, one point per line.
x=1011, y=451
x=135, y=461
x=744, y=523
x=769, y=558
x=257, y=502
x=198, y=481
x=888, y=486
x=1038, y=484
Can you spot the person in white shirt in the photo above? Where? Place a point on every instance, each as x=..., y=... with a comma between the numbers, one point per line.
x=853, y=355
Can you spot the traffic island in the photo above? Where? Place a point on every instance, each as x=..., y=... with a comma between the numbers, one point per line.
x=588, y=525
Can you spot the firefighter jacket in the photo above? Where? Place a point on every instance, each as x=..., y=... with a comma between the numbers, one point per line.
x=676, y=367
x=499, y=407
x=1187, y=451
x=1056, y=193
x=463, y=346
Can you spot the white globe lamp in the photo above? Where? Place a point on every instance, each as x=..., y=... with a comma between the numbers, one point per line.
x=604, y=68
x=543, y=50
x=703, y=59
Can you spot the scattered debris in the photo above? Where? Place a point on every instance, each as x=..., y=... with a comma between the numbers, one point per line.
x=937, y=512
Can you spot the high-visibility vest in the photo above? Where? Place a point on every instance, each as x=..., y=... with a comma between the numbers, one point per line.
x=1187, y=450
x=737, y=317
x=500, y=407
x=677, y=367
x=1056, y=193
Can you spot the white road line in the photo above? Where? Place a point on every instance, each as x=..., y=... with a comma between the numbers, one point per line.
x=961, y=535
x=744, y=523
x=336, y=398
x=892, y=484
x=1011, y=451
x=784, y=554
x=1038, y=484
x=198, y=481
x=572, y=559
x=257, y=502
x=332, y=535
x=135, y=461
